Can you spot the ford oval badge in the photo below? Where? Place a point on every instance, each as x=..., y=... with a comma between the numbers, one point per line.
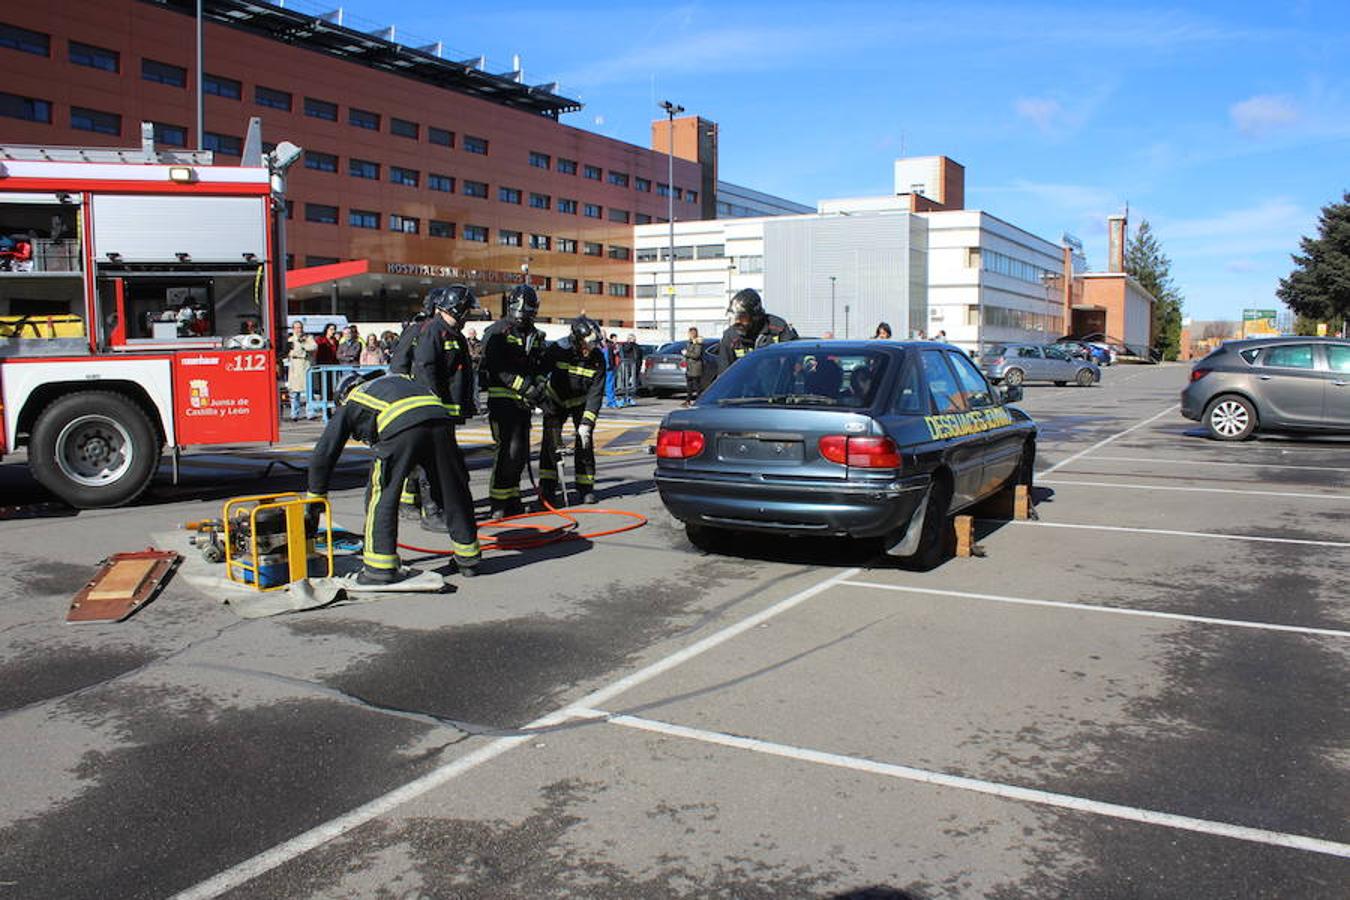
x=854, y=427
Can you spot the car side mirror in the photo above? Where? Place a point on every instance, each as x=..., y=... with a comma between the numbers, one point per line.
x=1012, y=393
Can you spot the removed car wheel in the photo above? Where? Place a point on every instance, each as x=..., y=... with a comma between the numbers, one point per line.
x=1230, y=418
x=94, y=449
x=1084, y=378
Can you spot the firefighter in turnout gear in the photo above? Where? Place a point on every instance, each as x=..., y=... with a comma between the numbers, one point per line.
x=751, y=328
x=575, y=390
x=400, y=363
x=406, y=425
x=513, y=360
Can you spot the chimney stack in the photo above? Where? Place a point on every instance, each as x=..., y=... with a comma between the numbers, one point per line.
x=1116, y=227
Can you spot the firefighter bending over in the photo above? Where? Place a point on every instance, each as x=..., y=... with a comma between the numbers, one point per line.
x=751, y=328
x=576, y=388
x=513, y=358
x=406, y=425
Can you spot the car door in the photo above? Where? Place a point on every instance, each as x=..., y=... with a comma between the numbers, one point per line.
x=1059, y=366
x=1289, y=390
x=1336, y=394
x=1000, y=445
x=1032, y=361
x=962, y=450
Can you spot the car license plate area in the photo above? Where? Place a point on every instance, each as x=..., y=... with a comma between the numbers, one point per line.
x=759, y=450
x=667, y=367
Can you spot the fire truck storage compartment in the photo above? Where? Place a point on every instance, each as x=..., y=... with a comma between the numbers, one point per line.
x=182, y=303
x=42, y=304
x=196, y=228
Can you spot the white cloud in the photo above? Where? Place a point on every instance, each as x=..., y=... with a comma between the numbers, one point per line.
x=1272, y=226
x=1043, y=112
x=1263, y=114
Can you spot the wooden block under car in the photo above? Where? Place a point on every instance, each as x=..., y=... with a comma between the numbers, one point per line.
x=965, y=535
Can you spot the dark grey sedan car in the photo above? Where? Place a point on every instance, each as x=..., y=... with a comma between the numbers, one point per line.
x=875, y=439
x=663, y=371
x=1271, y=384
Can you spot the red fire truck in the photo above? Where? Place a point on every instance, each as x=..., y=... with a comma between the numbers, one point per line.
x=145, y=313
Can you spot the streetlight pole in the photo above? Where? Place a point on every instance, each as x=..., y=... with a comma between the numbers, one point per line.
x=201, y=117
x=832, y=280
x=672, y=110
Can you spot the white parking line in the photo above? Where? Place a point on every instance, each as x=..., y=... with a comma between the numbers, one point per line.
x=993, y=788
x=1198, y=490
x=1095, y=608
x=282, y=853
x=1202, y=462
x=1102, y=443
x=1260, y=539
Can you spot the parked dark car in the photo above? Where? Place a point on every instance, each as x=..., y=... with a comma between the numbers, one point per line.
x=1018, y=363
x=1271, y=384
x=1094, y=353
x=664, y=370
x=866, y=439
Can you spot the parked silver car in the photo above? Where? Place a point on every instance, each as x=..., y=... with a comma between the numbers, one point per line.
x=1017, y=363
x=1271, y=384
x=664, y=370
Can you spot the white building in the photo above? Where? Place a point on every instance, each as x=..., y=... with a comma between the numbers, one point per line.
x=737, y=202
x=909, y=259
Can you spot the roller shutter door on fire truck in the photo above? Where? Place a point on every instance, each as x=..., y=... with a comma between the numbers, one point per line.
x=157, y=229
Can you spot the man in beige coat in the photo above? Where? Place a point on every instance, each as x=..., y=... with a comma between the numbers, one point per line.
x=299, y=357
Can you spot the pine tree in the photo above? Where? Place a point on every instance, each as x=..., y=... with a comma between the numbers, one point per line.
x=1146, y=262
x=1319, y=286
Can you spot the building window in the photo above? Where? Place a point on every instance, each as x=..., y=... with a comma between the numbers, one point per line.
x=643, y=184
x=27, y=108
x=290, y=212
x=679, y=193
x=443, y=183
x=92, y=120
x=320, y=109
x=617, y=252
x=15, y=38
x=475, y=145
x=311, y=261
x=320, y=162
x=321, y=213
x=508, y=195
x=618, y=289
x=641, y=219
x=405, y=224
x=591, y=210
x=566, y=245
x=646, y=254
x=363, y=168
x=170, y=135
x=508, y=238
x=567, y=166
x=408, y=177
x=163, y=73
x=475, y=233
x=662, y=190
x=540, y=201
x=290, y=260
x=592, y=172
x=363, y=119
x=620, y=179
x=475, y=189
x=567, y=285
x=710, y=251
x=749, y=264
x=363, y=218
x=691, y=196
x=594, y=287
x=539, y=160
x=222, y=143
x=437, y=228
x=540, y=242
x=440, y=136
x=220, y=86
x=591, y=248
x=94, y=57
x=618, y=215
x=404, y=128
x=272, y=98
x=567, y=206
x=1001, y=263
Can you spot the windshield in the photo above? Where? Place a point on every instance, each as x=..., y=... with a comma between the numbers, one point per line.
x=806, y=377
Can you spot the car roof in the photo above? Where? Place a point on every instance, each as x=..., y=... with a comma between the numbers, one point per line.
x=1283, y=339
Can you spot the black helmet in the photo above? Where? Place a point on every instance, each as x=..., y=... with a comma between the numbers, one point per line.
x=457, y=299
x=352, y=382
x=584, y=330
x=746, y=303
x=522, y=304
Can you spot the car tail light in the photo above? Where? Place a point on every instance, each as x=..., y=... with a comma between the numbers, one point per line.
x=860, y=452
x=1197, y=374
x=684, y=364
x=672, y=444
x=649, y=363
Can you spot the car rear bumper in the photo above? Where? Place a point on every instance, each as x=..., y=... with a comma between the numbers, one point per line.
x=843, y=508
x=1193, y=404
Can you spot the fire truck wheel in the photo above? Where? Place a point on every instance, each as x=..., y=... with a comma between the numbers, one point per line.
x=94, y=449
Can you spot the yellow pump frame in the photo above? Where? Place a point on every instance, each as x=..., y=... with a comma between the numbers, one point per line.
x=294, y=507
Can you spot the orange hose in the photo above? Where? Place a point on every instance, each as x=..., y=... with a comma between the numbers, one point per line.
x=568, y=531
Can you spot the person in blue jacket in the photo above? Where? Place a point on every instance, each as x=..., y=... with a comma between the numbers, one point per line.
x=611, y=367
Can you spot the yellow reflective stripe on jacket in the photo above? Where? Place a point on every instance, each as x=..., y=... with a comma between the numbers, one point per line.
x=407, y=404
x=518, y=383
x=513, y=339
x=589, y=416
x=506, y=392
x=451, y=408
x=361, y=397
x=465, y=549
x=579, y=371
x=574, y=402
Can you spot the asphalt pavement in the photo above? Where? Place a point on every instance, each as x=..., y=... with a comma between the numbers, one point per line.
x=1139, y=694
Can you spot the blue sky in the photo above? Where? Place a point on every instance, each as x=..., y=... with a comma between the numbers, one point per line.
x=1226, y=125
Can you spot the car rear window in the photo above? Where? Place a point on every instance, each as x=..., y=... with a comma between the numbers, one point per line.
x=1288, y=356
x=805, y=377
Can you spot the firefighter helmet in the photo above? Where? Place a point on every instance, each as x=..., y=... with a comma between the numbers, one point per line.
x=746, y=310
x=522, y=304
x=457, y=300
x=584, y=332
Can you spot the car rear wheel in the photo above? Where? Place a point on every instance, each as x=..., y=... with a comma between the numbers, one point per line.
x=1014, y=377
x=937, y=537
x=1084, y=378
x=1230, y=418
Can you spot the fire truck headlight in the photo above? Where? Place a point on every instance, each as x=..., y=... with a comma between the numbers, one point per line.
x=181, y=174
